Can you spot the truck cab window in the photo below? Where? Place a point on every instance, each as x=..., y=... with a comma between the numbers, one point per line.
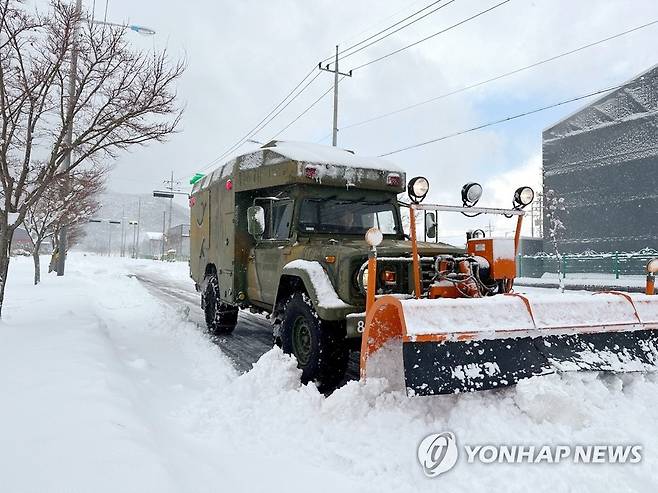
x=281, y=219
x=278, y=217
x=347, y=216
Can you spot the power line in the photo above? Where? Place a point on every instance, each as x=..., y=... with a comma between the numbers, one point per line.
x=392, y=26
x=498, y=77
x=502, y=120
x=464, y=21
x=324, y=138
x=306, y=110
x=283, y=104
x=383, y=30
x=274, y=113
x=380, y=22
x=286, y=105
x=268, y=118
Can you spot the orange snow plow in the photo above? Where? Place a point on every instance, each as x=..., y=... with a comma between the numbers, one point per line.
x=469, y=331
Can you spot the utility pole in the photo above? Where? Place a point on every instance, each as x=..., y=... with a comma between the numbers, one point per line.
x=168, y=194
x=336, y=73
x=139, y=224
x=109, y=240
x=68, y=138
x=164, y=220
x=133, y=253
x=123, y=231
x=171, y=186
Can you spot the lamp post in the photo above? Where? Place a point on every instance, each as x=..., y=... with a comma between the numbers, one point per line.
x=134, y=224
x=68, y=138
x=109, y=229
x=167, y=194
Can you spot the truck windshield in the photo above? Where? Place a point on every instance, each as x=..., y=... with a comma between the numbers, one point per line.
x=347, y=216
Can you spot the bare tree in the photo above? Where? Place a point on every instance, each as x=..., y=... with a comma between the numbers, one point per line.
x=122, y=98
x=556, y=209
x=71, y=203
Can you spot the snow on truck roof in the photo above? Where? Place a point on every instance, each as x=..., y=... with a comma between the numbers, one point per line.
x=337, y=162
x=316, y=153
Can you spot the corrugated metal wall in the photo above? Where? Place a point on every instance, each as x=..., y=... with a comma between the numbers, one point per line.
x=603, y=161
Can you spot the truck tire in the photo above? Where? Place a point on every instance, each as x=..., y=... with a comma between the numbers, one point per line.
x=221, y=318
x=319, y=346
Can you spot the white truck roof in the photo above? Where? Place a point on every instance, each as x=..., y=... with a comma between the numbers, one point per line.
x=334, y=165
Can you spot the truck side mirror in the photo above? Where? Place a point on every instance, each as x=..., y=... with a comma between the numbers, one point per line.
x=430, y=225
x=256, y=221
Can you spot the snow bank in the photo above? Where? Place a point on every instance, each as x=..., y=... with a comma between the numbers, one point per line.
x=106, y=388
x=584, y=279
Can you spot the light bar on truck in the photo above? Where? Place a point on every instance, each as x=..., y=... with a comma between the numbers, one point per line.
x=417, y=189
x=471, y=193
x=457, y=208
x=523, y=196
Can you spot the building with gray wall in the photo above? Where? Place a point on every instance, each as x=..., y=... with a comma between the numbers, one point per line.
x=603, y=161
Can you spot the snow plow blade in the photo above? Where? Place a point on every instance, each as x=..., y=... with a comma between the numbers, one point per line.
x=463, y=345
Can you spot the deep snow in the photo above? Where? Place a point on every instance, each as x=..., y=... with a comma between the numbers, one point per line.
x=106, y=388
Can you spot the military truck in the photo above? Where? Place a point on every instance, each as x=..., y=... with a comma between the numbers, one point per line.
x=281, y=230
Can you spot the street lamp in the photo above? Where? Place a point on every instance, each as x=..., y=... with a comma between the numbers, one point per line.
x=68, y=138
x=134, y=224
x=143, y=30
x=109, y=232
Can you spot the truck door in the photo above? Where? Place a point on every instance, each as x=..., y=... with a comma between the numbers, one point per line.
x=199, y=233
x=272, y=252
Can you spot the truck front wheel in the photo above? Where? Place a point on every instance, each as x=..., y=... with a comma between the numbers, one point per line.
x=221, y=318
x=319, y=346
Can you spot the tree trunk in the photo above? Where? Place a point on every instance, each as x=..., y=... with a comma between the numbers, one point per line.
x=37, y=263
x=6, y=234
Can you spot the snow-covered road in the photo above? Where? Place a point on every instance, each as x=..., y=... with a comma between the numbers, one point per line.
x=106, y=387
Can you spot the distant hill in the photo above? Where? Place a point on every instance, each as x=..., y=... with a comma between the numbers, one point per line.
x=114, y=206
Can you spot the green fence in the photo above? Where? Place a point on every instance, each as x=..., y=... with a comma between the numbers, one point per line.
x=617, y=263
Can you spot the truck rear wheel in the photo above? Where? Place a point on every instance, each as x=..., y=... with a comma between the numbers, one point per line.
x=319, y=346
x=221, y=318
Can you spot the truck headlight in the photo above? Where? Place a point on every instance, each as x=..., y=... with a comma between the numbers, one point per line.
x=471, y=193
x=523, y=196
x=418, y=188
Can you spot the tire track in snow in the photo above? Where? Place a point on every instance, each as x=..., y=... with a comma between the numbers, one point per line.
x=251, y=338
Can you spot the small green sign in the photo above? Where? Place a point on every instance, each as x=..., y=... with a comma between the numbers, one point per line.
x=196, y=178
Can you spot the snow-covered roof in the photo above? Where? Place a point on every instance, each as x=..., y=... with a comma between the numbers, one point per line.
x=316, y=153
x=335, y=167
x=153, y=236
x=635, y=96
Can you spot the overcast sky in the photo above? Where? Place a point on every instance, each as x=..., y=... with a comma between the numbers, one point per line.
x=244, y=56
